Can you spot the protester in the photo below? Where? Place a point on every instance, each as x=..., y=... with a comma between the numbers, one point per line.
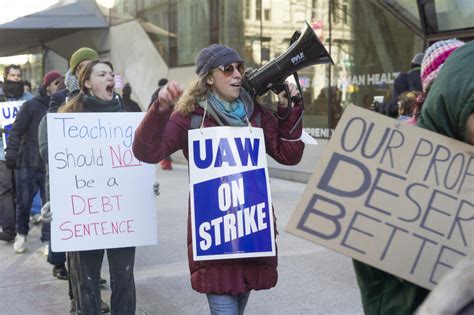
x=381, y=292
x=435, y=56
x=12, y=91
x=409, y=106
x=449, y=110
x=129, y=105
x=217, y=91
x=78, y=61
x=161, y=83
x=406, y=81
x=27, y=86
x=96, y=83
x=23, y=157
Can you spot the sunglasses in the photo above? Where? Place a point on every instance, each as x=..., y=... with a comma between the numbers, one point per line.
x=229, y=69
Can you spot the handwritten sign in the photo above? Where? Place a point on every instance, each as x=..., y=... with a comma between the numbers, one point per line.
x=231, y=210
x=101, y=195
x=397, y=197
x=9, y=111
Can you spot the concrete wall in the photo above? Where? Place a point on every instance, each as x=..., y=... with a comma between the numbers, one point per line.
x=134, y=56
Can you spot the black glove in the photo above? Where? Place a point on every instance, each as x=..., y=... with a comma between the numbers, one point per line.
x=11, y=164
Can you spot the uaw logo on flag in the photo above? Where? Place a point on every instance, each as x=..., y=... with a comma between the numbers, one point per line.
x=231, y=210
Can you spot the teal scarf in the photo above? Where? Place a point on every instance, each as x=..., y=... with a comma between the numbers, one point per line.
x=229, y=114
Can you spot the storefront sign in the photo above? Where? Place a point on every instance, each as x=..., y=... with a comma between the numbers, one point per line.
x=395, y=196
x=101, y=195
x=320, y=133
x=231, y=212
x=373, y=78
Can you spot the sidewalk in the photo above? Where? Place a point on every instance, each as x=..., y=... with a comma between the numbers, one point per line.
x=312, y=280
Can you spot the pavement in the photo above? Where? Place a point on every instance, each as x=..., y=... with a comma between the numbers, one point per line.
x=312, y=279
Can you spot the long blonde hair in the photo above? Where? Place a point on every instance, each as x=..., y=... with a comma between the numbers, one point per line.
x=196, y=92
x=75, y=104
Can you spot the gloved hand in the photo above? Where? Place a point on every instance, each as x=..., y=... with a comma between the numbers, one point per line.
x=46, y=214
x=11, y=164
x=156, y=188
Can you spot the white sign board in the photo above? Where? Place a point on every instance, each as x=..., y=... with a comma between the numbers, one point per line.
x=101, y=195
x=395, y=196
x=231, y=206
x=9, y=111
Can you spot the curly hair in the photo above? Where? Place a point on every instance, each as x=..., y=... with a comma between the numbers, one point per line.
x=410, y=102
x=196, y=92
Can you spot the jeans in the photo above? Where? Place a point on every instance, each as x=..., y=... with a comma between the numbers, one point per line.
x=223, y=304
x=85, y=276
x=28, y=182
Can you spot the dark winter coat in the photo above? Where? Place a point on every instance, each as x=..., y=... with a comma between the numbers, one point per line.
x=130, y=105
x=446, y=109
x=22, y=144
x=162, y=133
x=58, y=99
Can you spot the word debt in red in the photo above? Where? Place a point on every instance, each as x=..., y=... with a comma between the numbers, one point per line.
x=94, y=205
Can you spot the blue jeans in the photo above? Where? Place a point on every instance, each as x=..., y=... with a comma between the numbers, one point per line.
x=224, y=304
x=28, y=182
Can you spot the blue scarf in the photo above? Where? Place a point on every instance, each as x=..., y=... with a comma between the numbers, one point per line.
x=229, y=114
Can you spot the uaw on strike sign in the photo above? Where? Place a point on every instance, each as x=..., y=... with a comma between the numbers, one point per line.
x=9, y=111
x=397, y=197
x=101, y=195
x=231, y=210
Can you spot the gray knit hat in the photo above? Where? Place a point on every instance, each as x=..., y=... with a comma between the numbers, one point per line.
x=214, y=56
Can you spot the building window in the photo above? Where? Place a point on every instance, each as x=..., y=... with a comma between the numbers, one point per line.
x=258, y=10
x=344, y=14
x=247, y=9
x=267, y=14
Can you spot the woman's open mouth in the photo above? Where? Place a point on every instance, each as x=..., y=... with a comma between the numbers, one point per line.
x=110, y=88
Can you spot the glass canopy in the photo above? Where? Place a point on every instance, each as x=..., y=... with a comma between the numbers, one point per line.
x=431, y=17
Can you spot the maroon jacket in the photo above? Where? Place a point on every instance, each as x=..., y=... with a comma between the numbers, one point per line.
x=162, y=133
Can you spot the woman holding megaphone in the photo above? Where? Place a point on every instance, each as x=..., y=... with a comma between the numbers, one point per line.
x=217, y=98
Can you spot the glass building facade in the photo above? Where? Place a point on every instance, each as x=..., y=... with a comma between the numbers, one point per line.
x=368, y=45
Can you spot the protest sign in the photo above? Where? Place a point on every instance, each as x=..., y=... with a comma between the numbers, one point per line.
x=101, y=195
x=397, y=197
x=9, y=111
x=231, y=211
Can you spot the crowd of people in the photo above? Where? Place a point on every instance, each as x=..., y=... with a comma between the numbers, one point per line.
x=437, y=97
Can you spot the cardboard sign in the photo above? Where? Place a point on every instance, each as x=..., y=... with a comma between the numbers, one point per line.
x=231, y=207
x=101, y=195
x=9, y=111
x=394, y=196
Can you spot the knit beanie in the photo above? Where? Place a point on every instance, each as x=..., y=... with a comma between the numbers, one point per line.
x=50, y=77
x=214, y=56
x=435, y=56
x=80, y=55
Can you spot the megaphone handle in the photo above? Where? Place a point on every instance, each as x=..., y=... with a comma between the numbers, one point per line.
x=298, y=98
x=277, y=88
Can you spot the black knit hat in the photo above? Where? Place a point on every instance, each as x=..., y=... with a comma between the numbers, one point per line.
x=214, y=56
